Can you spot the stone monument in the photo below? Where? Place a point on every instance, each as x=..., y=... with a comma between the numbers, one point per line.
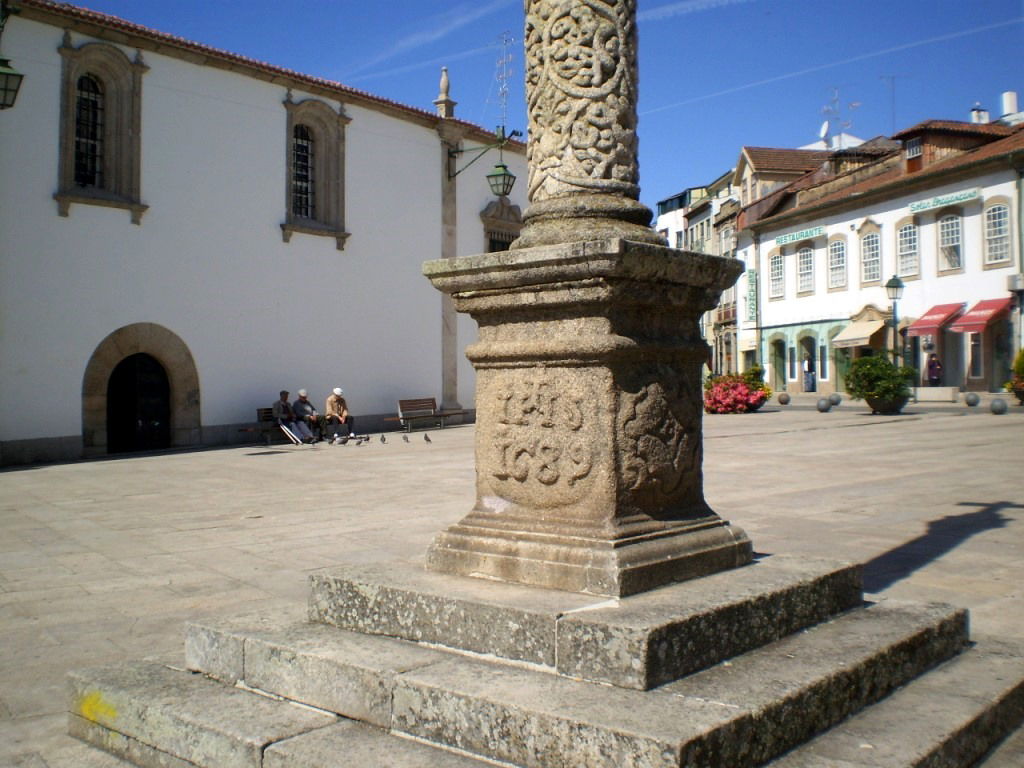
x=589, y=399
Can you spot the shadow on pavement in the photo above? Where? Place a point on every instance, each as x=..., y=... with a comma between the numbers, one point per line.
x=943, y=535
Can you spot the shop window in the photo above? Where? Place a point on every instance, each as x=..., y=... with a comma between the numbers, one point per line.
x=823, y=362
x=950, y=256
x=792, y=364
x=837, y=264
x=997, y=234
x=315, y=183
x=976, y=369
x=805, y=270
x=100, y=128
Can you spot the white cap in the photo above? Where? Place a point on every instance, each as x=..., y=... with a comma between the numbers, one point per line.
x=302, y=393
x=337, y=391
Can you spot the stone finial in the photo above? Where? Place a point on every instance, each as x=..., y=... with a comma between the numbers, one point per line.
x=581, y=87
x=445, y=106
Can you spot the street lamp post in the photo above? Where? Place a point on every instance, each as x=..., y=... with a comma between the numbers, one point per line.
x=894, y=290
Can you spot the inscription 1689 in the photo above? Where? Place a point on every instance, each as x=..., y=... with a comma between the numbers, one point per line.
x=540, y=438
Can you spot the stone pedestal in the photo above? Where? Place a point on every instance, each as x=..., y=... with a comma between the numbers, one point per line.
x=588, y=446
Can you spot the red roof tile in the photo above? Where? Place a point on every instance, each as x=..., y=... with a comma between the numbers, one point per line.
x=956, y=126
x=785, y=160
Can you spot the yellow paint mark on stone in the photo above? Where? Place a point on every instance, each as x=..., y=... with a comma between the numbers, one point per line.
x=94, y=708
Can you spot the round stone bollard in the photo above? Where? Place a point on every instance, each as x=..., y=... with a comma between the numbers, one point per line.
x=824, y=405
x=783, y=398
x=972, y=399
x=835, y=398
x=998, y=406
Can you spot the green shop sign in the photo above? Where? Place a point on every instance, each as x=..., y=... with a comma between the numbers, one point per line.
x=803, y=234
x=944, y=200
x=751, y=296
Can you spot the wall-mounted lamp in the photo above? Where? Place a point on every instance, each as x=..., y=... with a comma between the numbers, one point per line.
x=500, y=180
x=10, y=78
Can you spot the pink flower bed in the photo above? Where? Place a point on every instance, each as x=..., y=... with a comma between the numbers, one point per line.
x=728, y=394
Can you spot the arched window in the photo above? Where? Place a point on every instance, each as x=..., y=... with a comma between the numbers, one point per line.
x=997, y=234
x=805, y=269
x=100, y=128
x=907, y=261
x=303, y=187
x=871, y=258
x=777, y=276
x=89, y=108
x=837, y=264
x=950, y=242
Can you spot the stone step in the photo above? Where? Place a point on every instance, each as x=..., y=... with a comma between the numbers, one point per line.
x=637, y=642
x=739, y=713
x=155, y=716
x=948, y=718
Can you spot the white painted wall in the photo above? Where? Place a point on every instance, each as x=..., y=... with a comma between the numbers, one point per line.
x=208, y=261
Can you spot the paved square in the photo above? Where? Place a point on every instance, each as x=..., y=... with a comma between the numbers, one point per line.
x=103, y=561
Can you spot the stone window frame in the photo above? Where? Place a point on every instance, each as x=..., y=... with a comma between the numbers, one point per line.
x=502, y=220
x=898, y=243
x=776, y=258
x=870, y=228
x=802, y=250
x=990, y=204
x=946, y=215
x=833, y=241
x=121, y=80
x=328, y=129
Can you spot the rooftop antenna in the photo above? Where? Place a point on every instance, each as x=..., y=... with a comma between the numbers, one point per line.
x=834, y=114
x=504, y=73
x=891, y=79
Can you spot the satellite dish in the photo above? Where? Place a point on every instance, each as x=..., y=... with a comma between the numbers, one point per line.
x=823, y=131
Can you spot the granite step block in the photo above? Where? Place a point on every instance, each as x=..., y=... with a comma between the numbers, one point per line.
x=353, y=745
x=325, y=667
x=634, y=642
x=158, y=717
x=737, y=714
x=1009, y=753
x=948, y=718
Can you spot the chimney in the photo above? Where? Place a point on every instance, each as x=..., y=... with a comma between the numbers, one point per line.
x=979, y=115
x=1009, y=103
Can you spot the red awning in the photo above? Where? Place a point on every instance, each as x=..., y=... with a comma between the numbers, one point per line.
x=931, y=321
x=980, y=315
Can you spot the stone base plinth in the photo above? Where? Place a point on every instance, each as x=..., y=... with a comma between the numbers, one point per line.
x=611, y=567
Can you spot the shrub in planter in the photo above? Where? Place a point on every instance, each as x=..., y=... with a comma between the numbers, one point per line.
x=885, y=386
x=1016, y=382
x=736, y=392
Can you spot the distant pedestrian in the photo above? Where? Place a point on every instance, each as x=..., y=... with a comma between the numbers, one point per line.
x=934, y=370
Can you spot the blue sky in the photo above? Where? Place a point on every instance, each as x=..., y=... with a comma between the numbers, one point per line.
x=714, y=74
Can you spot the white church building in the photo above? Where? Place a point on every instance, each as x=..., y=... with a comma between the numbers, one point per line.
x=184, y=232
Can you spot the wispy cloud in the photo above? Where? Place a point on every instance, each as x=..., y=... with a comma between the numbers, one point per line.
x=684, y=7
x=431, y=30
x=441, y=60
x=829, y=65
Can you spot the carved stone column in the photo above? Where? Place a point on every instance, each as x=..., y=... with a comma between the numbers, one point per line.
x=589, y=398
x=581, y=93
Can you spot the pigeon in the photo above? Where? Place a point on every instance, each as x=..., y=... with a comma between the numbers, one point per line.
x=405, y=438
x=426, y=437
x=343, y=441
x=382, y=438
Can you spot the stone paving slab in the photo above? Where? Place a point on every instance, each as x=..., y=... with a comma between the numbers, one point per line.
x=946, y=719
x=931, y=502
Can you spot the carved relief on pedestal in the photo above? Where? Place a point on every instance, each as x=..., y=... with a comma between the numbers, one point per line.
x=659, y=438
x=581, y=92
x=540, y=452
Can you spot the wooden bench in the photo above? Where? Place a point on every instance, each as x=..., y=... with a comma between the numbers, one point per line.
x=266, y=426
x=422, y=409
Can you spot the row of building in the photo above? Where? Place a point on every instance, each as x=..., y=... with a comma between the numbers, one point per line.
x=934, y=211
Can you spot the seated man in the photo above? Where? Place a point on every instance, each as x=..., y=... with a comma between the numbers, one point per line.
x=306, y=414
x=285, y=416
x=337, y=413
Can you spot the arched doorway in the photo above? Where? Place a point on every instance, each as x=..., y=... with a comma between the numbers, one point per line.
x=778, y=364
x=164, y=348
x=138, y=405
x=808, y=364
